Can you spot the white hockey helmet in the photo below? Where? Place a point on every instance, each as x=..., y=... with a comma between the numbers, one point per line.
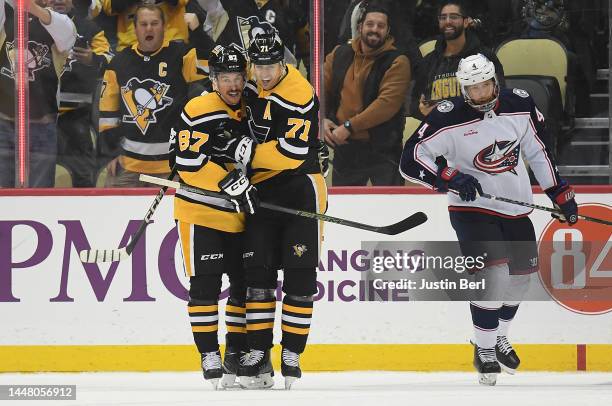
x=476, y=69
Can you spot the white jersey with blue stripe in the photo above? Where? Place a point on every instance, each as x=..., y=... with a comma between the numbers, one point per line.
x=494, y=147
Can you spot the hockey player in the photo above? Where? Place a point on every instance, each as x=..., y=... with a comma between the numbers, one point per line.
x=144, y=89
x=485, y=135
x=210, y=229
x=282, y=156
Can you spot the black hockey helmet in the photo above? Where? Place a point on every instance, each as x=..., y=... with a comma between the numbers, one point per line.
x=226, y=59
x=266, y=49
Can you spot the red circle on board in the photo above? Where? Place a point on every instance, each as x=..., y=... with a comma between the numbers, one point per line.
x=576, y=263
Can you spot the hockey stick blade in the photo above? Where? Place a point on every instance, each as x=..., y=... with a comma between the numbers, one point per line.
x=393, y=229
x=406, y=224
x=98, y=256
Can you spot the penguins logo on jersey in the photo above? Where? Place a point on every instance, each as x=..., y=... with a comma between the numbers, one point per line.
x=502, y=156
x=299, y=250
x=143, y=100
x=36, y=59
x=249, y=27
x=259, y=132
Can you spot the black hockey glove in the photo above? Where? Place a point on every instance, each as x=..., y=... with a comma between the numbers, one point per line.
x=562, y=197
x=243, y=194
x=324, y=158
x=466, y=185
x=238, y=149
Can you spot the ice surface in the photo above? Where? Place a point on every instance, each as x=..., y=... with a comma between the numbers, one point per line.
x=319, y=389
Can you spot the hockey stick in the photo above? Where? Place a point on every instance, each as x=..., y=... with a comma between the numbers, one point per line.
x=406, y=224
x=111, y=255
x=548, y=209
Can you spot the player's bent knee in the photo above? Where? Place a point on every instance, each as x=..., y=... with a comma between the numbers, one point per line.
x=300, y=281
x=304, y=299
x=205, y=287
x=518, y=286
x=259, y=294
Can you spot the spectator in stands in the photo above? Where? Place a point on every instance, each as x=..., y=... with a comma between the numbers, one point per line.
x=436, y=79
x=79, y=78
x=365, y=84
x=51, y=36
x=174, y=16
x=402, y=33
x=145, y=88
x=238, y=21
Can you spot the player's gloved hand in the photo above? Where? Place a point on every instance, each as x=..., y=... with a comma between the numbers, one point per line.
x=324, y=158
x=244, y=195
x=466, y=185
x=562, y=197
x=238, y=149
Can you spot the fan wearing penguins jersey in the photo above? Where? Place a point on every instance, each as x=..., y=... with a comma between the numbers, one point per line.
x=210, y=229
x=485, y=135
x=144, y=88
x=281, y=154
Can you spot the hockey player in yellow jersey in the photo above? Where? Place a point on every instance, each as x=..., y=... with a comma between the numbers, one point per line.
x=210, y=229
x=281, y=157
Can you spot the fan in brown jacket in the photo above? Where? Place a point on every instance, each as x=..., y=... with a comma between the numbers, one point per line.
x=365, y=84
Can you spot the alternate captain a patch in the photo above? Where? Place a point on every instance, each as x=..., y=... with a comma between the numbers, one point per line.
x=143, y=100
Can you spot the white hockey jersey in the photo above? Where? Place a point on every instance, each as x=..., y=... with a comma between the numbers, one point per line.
x=492, y=147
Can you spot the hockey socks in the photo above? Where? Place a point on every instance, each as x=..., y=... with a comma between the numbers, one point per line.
x=506, y=314
x=235, y=322
x=260, y=309
x=204, y=319
x=297, y=313
x=485, y=318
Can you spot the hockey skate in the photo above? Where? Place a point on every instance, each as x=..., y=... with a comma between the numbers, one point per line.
x=506, y=356
x=231, y=362
x=290, y=367
x=211, y=367
x=486, y=364
x=256, y=371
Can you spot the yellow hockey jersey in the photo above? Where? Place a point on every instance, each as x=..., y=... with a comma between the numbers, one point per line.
x=191, y=140
x=285, y=122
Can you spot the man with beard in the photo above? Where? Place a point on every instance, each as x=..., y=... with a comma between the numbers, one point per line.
x=437, y=79
x=365, y=83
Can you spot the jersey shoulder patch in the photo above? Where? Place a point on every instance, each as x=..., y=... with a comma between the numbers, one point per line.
x=520, y=92
x=445, y=106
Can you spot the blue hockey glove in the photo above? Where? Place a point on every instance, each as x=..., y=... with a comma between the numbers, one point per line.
x=466, y=185
x=562, y=197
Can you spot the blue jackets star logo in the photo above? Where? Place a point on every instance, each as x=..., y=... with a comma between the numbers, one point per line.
x=502, y=156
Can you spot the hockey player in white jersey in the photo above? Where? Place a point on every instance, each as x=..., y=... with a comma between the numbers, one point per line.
x=479, y=142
